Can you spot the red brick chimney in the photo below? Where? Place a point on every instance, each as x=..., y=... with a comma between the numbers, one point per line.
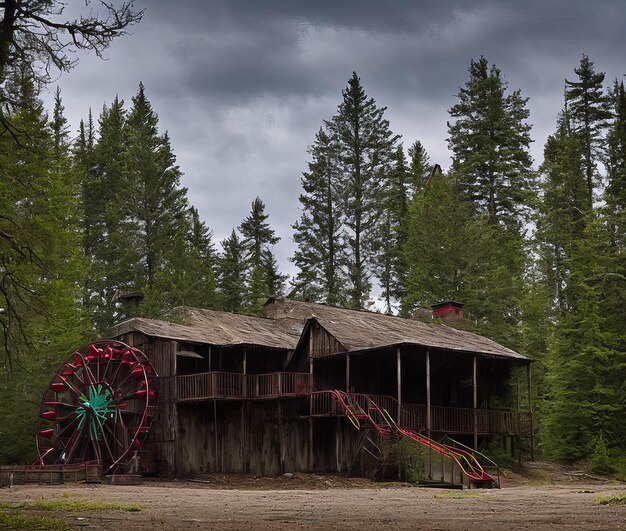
x=447, y=310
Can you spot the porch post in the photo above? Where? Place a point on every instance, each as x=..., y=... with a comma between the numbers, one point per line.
x=244, y=380
x=475, y=398
x=347, y=372
x=530, y=411
x=428, y=412
x=310, y=411
x=399, y=379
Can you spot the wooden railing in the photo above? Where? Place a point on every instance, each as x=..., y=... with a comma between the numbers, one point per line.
x=209, y=385
x=489, y=421
x=443, y=419
x=225, y=385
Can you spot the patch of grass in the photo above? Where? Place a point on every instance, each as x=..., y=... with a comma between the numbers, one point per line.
x=458, y=494
x=618, y=499
x=38, y=523
x=70, y=494
x=85, y=505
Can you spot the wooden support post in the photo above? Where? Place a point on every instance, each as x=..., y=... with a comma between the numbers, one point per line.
x=210, y=358
x=428, y=405
x=399, y=384
x=530, y=411
x=281, y=436
x=310, y=413
x=475, y=398
x=347, y=372
x=244, y=380
x=217, y=452
x=243, y=437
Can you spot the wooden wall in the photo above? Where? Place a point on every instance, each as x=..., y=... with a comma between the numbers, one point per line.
x=162, y=436
x=260, y=438
x=321, y=343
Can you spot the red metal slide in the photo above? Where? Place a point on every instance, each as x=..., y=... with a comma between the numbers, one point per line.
x=362, y=411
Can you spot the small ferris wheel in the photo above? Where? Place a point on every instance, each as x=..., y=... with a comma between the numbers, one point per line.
x=98, y=407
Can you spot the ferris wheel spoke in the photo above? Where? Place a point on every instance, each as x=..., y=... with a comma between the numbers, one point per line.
x=67, y=427
x=113, y=436
x=74, y=440
x=106, y=370
x=69, y=384
x=89, y=376
x=130, y=373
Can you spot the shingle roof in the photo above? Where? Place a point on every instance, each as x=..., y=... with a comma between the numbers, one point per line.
x=219, y=328
x=360, y=330
x=285, y=320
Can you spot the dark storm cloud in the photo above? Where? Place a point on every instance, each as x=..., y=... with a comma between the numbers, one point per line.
x=242, y=86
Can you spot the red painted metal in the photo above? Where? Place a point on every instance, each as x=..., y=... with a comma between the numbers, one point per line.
x=362, y=411
x=99, y=407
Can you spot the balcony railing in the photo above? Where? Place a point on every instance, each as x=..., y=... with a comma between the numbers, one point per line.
x=227, y=385
x=443, y=419
x=213, y=385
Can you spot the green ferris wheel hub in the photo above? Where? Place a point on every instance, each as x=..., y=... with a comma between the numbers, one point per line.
x=96, y=408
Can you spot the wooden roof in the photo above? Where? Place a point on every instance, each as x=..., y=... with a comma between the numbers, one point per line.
x=361, y=330
x=286, y=319
x=218, y=328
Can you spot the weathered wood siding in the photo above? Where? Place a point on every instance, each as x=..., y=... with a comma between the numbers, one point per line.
x=321, y=343
x=254, y=437
x=162, y=355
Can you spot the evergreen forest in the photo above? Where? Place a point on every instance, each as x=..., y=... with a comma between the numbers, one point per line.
x=536, y=250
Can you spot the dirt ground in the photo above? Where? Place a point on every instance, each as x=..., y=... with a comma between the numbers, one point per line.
x=546, y=497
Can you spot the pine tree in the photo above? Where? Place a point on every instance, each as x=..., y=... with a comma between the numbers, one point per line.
x=320, y=249
x=420, y=167
x=438, y=249
x=232, y=274
x=108, y=223
x=159, y=203
x=490, y=141
x=589, y=113
x=188, y=274
x=564, y=209
x=41, y=320
x=586, y=360
x=258, y=239
x=365, y=148
x=390, y=267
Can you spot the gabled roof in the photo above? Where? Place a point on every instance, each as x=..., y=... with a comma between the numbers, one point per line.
x=286, y=319
x=218, y=328
x=361, y=330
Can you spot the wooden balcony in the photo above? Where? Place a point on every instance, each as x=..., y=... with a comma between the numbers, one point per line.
x=443, y=419
x=225, y=385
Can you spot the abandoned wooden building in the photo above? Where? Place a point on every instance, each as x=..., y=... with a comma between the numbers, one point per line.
x=253, y=394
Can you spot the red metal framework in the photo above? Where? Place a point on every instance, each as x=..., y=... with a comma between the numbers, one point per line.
x=363, y=411
x=98, y=407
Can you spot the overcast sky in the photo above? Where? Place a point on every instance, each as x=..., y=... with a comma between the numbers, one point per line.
x=243, y=86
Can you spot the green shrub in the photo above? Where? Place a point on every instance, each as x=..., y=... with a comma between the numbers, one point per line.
x=600, y=460
x=411, y=456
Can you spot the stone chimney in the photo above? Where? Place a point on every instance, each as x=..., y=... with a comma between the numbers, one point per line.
x=447, y=311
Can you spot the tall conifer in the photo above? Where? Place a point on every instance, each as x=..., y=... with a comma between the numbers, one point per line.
x=489, y=140
x=589, y=115
x=365, y=148
x=320, y=252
